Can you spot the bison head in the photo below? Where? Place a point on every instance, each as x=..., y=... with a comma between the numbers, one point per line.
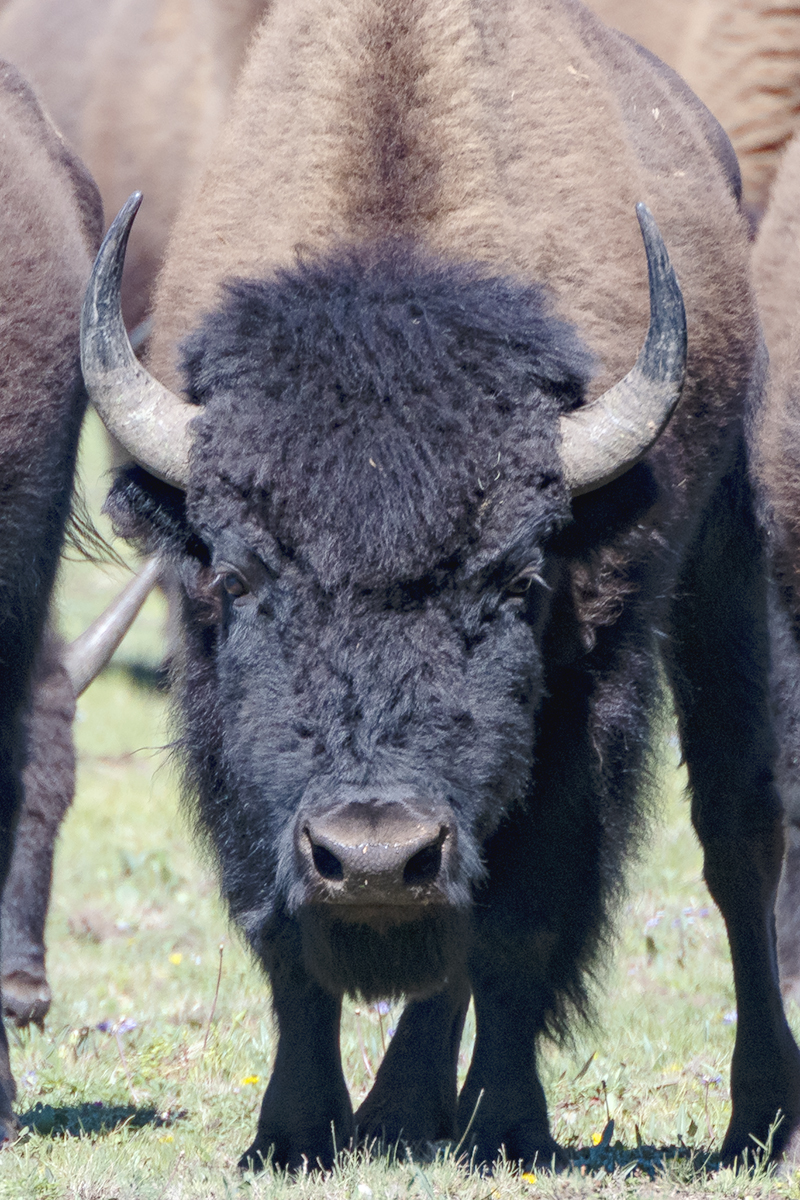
x=381, y=455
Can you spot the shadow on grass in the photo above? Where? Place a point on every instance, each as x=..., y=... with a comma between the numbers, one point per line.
x=75, y=1120
x=649, y=1160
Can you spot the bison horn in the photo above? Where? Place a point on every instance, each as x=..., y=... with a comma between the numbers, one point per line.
x=86, y=657
x=146, y=418
x=606, y=438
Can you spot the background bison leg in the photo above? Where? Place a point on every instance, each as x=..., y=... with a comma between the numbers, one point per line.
x=9, y=1125
x=9, y=807
x=48, y=785
x=718, y=662
x=786, y=694
x=306, y=1112
x=414, y=1095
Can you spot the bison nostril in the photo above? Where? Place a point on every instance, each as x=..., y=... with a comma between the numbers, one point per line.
x=327, y=864
x=424, y=866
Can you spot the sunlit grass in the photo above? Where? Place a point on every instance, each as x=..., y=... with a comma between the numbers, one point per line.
x=167, y=1097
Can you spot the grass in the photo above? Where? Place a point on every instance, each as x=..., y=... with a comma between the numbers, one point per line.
x=140, y=1087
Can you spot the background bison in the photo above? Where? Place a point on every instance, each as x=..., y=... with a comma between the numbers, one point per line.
x=776, y=263
x=426, y=579
x=742, y=58
x=52, y=219
x=140, y=89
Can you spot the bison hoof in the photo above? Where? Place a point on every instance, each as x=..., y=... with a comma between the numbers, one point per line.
x=296, y=1155
x=420, y=1125
x=9, y=1128
x=26, y=999
x=541, y=1153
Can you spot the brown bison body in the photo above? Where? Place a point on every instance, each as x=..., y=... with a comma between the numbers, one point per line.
x=422, y=635
x=140, y=88
x=742, y=57
x=51, y=219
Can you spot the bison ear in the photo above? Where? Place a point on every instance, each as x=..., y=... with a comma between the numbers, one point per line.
x=604, y=439
x=151, y=422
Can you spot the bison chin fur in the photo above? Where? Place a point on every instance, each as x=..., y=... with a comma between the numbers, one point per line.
x=408, y=958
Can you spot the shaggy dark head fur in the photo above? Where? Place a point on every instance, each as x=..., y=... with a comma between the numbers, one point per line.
x=377, y=409
x=375, y=475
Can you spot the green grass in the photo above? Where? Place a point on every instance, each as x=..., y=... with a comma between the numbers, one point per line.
x=133, y=1091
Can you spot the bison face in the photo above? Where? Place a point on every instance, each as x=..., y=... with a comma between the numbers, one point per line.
x=368, y=740
x=375, y=483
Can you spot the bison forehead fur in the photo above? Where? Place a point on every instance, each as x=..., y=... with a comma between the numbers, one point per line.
x=380, y=410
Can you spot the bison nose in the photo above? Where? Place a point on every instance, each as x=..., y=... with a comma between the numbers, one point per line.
x=374, y=853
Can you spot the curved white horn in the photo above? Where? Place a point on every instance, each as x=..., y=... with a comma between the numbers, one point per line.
x=146, y=418
x=604, y=439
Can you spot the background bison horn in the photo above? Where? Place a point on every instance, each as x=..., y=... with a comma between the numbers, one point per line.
x=609, y=436
x=146, y=418
x=86, y=657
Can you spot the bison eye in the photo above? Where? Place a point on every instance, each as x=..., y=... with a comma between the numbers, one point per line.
x=521, y=582
x=518, y=587
x=233, y=583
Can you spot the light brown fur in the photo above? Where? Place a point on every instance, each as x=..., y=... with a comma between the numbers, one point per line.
x=741, y=57
x=743, y=60
x=658, y=26
x=776, y=274
x=300, y=162
x=140, y=88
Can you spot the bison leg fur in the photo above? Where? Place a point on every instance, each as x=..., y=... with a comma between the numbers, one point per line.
x=540, y=916
x=48, y=786
x=786, y=694
x=9, y=808
x=502, y=1108
x=719, y=668
x=306, y=1115
x=414, y=1095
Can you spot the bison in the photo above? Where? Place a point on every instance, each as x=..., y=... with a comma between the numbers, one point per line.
x=139, y=88
x=742, y=57
x=438, y=527
x=776, y=273
x=52, y=222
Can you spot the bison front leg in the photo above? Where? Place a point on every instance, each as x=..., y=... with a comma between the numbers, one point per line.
x=414, y=1095
x=540, y=916
x=306, y=1114
x=9, y=807
x=719, y=659
x=502, y=1108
